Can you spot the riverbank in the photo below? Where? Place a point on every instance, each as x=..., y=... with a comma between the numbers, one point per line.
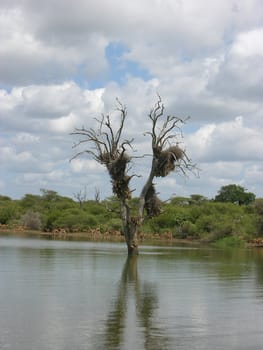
x=97, y=235
x=94, y=235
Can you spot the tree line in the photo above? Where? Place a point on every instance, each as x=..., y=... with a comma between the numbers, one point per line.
x=234, y=216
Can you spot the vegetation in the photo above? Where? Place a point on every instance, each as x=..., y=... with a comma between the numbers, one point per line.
x=195, y=218
x=235, y=194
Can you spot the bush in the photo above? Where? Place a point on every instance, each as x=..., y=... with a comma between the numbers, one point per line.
x=5, y=215
x=72, y=220
x=170, y=219
x=114, y=224
x=31, y=220
x=49, y=220
x=205, y=224
x=223, y=229
x=187, y=230
x=232, y=241
x=9, y=211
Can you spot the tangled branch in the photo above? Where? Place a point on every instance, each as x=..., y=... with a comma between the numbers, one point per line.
x=167, y=154
x=108, y=149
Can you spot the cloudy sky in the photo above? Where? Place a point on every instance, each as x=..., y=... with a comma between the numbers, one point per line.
x=64, y=62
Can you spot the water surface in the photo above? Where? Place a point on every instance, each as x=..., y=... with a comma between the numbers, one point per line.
x=79, y=295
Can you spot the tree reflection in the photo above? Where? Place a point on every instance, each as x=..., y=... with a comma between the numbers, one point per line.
x=134, y=323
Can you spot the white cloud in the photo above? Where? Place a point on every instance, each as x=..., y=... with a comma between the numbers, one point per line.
x=63, y=124
x=64, y=106
x=240, y=73
x=55, y=41
x=25, y=138
x=249, y=44
x=204, y=58
x=24, y=161
x=25, y=58
x=229, y=141
x=85, y=165
x=226, y=170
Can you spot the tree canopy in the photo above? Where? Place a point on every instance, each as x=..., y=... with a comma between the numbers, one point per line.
x=235, y=194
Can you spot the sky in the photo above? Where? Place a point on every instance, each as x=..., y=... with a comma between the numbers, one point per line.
x=63, y=63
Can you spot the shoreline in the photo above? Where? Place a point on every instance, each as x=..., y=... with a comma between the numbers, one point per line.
x=96, y=236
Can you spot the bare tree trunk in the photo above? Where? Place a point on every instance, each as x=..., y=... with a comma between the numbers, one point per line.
x=130, y=228
x=131, y=233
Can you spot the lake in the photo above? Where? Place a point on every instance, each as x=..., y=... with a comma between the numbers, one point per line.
x=81, y=295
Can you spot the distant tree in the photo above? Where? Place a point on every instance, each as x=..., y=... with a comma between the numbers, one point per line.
x=5, y=209
x=6, y=214
x=97, y=195
x=81, y=196
x=4, y=198
x=30, y=201
x=197, y=199
x=180, y=200
x=107, y=146
x=49, y=195
x=235, y=194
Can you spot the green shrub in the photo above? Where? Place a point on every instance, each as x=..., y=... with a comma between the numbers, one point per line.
x=49, y=219
x=76, y=220
x=187, y=230
x=205, y=224
x=9, y=211
x=232, y=241
x=114, y=224
x=5, y=214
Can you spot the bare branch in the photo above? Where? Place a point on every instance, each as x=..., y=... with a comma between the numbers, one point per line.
x=108, y=125
x=94, y=155
x=123, y=111
x=167, y=128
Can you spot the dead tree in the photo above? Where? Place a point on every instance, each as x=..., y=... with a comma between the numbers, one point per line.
x=81, y=197
x=107, y=147
x=97, y=195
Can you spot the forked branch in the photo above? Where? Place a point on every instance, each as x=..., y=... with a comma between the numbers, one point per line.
x=107, y=147
x=167, y=155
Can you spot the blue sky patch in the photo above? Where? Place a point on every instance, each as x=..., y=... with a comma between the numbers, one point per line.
x=120, y=67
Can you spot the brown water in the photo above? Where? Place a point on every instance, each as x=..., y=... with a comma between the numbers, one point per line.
x=69, y=296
